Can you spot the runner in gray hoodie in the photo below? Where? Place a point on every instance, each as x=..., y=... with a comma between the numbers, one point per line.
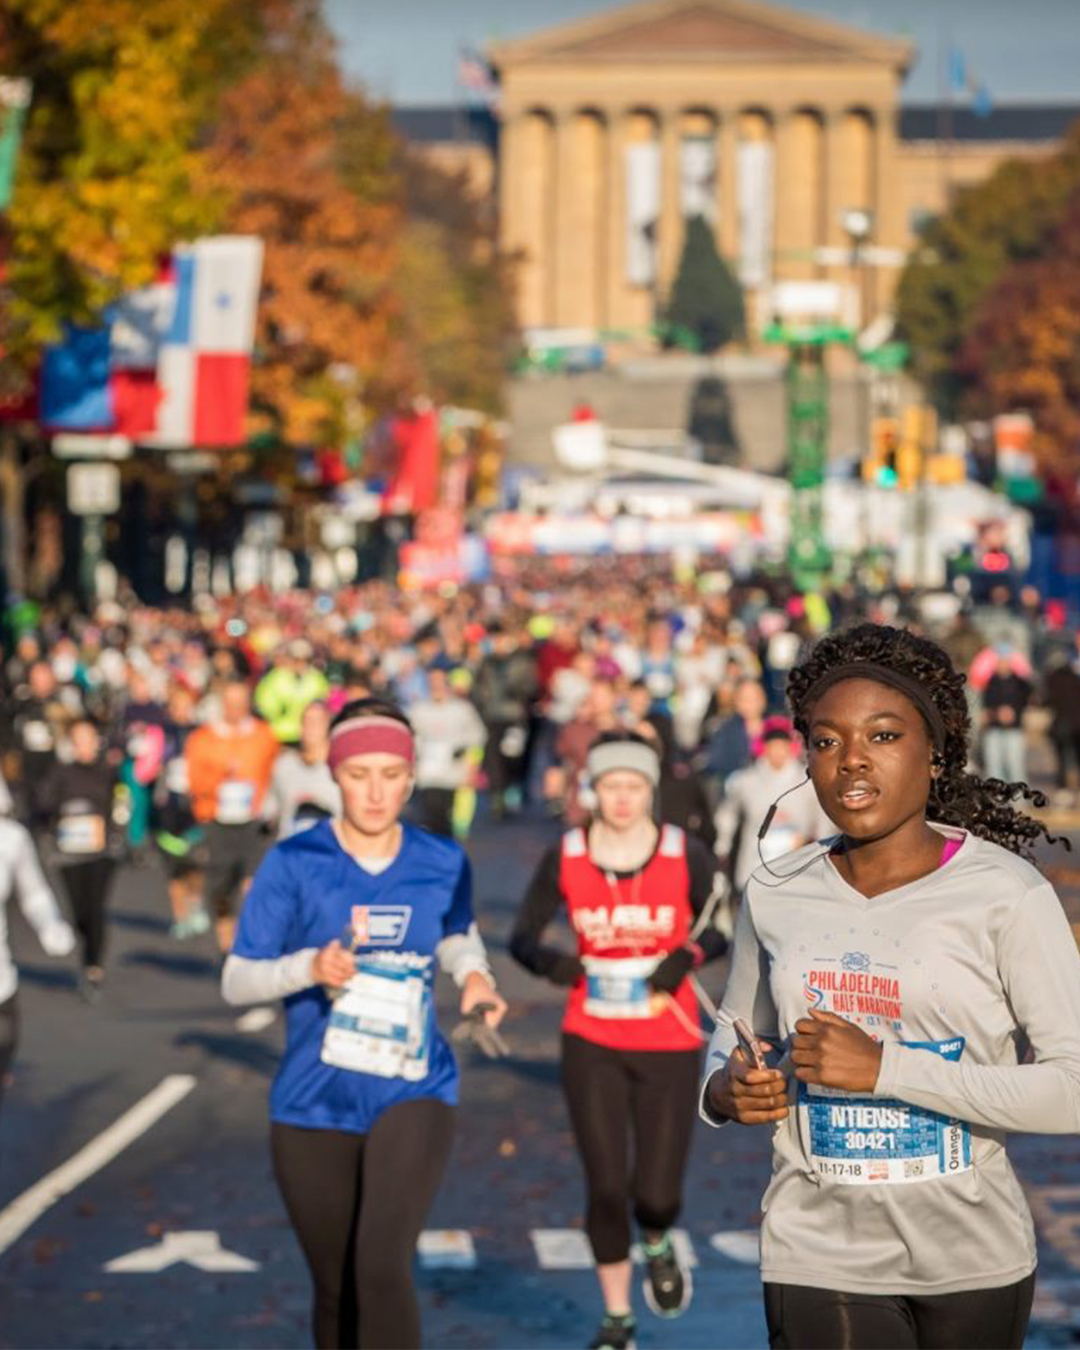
x=896, y=972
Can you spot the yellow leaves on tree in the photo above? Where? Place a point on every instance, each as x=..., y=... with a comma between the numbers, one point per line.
x=327, y=320
x=108, y=179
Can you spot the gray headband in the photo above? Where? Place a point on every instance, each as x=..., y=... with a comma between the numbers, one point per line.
x=630, y=756
x=895, y=679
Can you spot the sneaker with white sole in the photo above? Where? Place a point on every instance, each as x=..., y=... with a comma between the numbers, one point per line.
x=668, y=1288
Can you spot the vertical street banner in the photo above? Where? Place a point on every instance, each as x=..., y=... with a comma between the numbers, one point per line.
x=14, y=101
x=754, y=187
x=697, y=178
x=642, y=211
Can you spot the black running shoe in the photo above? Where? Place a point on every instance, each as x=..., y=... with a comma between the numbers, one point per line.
x=616, y=1333
x=668, y=1288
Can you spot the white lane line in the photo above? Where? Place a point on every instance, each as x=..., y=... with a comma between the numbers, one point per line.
x=740, y=1245
x=562, y=1249
x=27, y=1208
x=446, y=1249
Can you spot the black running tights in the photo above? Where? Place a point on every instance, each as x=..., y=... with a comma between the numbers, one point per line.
x=826, y=1319
x=87, y=886
x=358, y=1203
x=610, y=1092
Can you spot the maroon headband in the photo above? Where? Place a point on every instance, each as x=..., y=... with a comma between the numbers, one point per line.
x=370, y=736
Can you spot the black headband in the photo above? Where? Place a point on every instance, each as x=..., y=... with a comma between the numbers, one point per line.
x=895, y=679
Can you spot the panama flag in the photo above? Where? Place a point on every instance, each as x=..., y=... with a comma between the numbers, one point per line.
x=169, y=366
x=204, y=360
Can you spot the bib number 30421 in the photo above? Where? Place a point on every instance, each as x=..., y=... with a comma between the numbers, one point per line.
x=864, y=1141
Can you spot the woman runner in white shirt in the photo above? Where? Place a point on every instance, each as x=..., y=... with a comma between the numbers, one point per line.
x=896, y=973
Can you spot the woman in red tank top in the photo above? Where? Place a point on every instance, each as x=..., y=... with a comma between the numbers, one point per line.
x=638, y=897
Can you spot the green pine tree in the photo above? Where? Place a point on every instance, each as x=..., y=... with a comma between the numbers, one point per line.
x=706, y=302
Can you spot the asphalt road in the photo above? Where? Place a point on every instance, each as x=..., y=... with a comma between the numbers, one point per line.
x=188, y=1212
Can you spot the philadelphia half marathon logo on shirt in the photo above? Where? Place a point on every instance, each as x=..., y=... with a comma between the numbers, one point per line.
x=380, y=925
x=856, y=987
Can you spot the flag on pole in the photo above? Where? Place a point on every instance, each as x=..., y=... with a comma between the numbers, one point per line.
x=477, y=76
x=205, y=357
x=14, y=101
x=169, y=366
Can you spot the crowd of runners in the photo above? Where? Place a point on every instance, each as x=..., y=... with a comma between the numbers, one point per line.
x=801, y=783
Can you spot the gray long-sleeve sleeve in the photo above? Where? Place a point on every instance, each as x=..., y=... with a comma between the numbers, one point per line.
x=245, y=980
x=36, y=899
x=1039, y=967
x=463, y=954
x=747, y=996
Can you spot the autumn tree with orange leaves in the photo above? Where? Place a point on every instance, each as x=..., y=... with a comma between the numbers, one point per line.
x=1023, y=350
x=327, y=330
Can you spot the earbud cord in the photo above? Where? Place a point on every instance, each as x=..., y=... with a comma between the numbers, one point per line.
x=764, y=830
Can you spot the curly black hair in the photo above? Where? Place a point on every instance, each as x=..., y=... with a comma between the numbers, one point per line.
x=957, y=797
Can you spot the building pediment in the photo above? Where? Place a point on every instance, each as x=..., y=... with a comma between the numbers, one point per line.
x=716, y=31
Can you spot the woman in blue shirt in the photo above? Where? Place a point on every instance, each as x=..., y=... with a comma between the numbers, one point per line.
x=345, y=921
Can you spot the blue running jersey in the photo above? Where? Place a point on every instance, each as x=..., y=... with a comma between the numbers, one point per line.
x=307, y=892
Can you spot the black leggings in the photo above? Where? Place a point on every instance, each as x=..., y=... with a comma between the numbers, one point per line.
x=9, y=1037
x=87, y=886
x=826, y=1319
x=358, y=1203
x=608, y=1092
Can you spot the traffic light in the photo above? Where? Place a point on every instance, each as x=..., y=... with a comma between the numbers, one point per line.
x=918, y=438
x=879, y=467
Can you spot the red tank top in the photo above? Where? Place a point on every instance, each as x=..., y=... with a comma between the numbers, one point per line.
x=623, y=926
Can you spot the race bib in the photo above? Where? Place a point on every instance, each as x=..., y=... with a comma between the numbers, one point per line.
x=865, y=1140
x=381, y=1021
x=512, y=742
x=37, y=737
x=176, y=777
x=81, y=834
x=619, y=987
x=235, y=802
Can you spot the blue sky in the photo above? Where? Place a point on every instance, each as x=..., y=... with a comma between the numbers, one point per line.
x=405, y=51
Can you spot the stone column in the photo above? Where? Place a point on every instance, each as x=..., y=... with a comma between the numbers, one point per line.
x=785, y=223
x=564, y=246
x=836, y=190
x=727, y=184
x=511, y=167
x=614, y=218
x=887, y=231
x=671, y=221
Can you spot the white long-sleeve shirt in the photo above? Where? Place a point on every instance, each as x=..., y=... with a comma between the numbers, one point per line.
x=908, y=1189
x=21, y=875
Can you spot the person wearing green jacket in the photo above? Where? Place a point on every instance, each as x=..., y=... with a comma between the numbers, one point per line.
x=288, y=688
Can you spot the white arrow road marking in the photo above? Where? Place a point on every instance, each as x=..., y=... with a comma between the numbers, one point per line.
x=562, y=1249
x=27, y=1208
x=256, y=1019
x=201, y=1250
x=740, y=1245
x=446, y=1249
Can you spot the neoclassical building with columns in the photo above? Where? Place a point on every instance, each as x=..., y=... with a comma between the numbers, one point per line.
x=772, y=124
